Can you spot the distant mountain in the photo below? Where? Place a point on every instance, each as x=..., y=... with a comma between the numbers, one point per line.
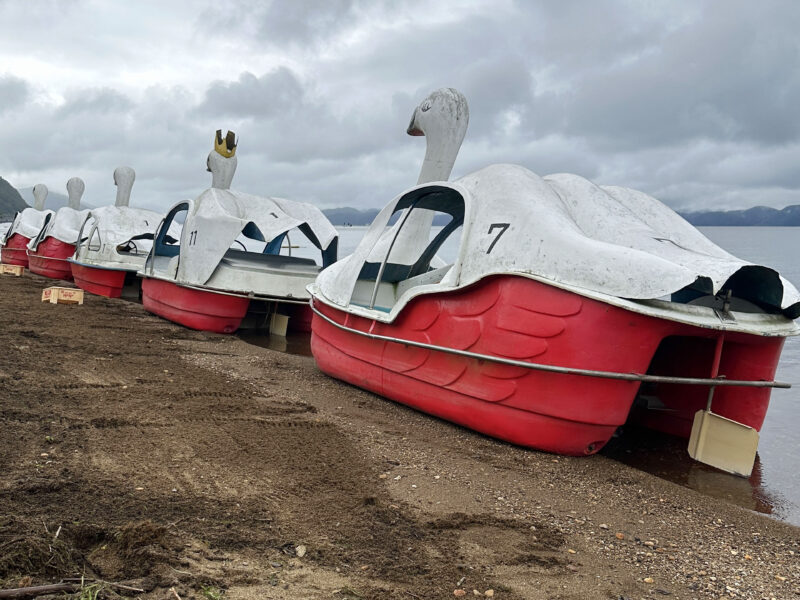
x=357, y=216
x=10, y=201
x=758, y=215
x=350, y=216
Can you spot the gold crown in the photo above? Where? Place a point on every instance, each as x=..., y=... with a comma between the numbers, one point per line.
x=225, y=147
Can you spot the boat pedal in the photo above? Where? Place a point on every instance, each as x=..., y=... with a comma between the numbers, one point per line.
x=278, y=324
x=723, y=443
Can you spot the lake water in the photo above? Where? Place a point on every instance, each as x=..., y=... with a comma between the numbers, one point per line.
x=778, y=490
x=774, y=487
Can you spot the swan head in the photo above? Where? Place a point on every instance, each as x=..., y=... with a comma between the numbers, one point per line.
x=222, y=160
x=444, y=111
x=123, y=179
x=39, y=196
x=75, y=189
x=442, y=118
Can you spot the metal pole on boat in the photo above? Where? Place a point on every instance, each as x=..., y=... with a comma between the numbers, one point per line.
x=715, y=368
x=633, y=377
x=388, y=252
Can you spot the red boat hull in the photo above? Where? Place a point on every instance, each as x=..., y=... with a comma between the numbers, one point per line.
x=522, y=319
x=50, y=259
x=197, y=309
x=300, y=316
x=15, y=252
x=103, y=282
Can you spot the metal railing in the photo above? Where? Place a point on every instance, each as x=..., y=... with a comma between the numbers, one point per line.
x=634, y=377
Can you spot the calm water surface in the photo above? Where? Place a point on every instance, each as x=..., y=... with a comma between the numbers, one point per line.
x=774, y=487
x=779, y=448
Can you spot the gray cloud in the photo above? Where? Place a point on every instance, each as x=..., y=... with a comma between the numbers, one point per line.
x=300, y=22
x=721, y=76
x=684, y=100
x=277, y=91
x=99, y=101
x=13, y=92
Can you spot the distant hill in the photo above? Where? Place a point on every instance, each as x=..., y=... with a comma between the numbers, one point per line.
x=350, y=216
x=10, y=201
x=758, y=215
x=357, y=216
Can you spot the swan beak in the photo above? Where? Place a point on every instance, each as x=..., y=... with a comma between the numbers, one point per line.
x=413, y=129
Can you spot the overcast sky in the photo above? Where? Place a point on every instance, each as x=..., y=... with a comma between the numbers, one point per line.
x=693, y=102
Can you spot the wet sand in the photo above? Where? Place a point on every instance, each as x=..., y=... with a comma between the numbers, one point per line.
x=166, y=458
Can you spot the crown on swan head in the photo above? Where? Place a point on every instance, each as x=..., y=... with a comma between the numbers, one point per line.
x=225, y=146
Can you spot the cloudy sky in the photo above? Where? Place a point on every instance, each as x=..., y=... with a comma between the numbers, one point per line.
x=694, y=102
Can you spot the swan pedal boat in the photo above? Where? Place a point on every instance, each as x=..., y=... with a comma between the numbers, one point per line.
x=26, y=225
x=206, y=282
x=569, y=308
x=113, y=243
x=49, y=252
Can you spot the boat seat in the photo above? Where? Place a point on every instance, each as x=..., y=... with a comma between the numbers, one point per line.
x=232, y=257
x=431, y=277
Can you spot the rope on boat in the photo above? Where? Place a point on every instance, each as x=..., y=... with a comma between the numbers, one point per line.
x=721, y=381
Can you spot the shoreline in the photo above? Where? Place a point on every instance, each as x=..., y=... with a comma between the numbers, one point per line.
x=177, y=459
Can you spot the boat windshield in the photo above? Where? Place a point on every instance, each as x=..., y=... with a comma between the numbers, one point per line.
x=410, y=251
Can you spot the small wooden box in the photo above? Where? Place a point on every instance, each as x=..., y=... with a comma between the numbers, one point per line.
x=16, y=270
x=62, y=295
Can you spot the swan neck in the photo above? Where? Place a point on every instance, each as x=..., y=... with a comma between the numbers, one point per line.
x=441, y=151
x=39, y=197
x=437, y=166
x=222, y=171
x=123, y=179
x=123, y=194
x=75, y=189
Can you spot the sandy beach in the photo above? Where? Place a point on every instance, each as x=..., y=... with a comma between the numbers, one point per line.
x=200, y=466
